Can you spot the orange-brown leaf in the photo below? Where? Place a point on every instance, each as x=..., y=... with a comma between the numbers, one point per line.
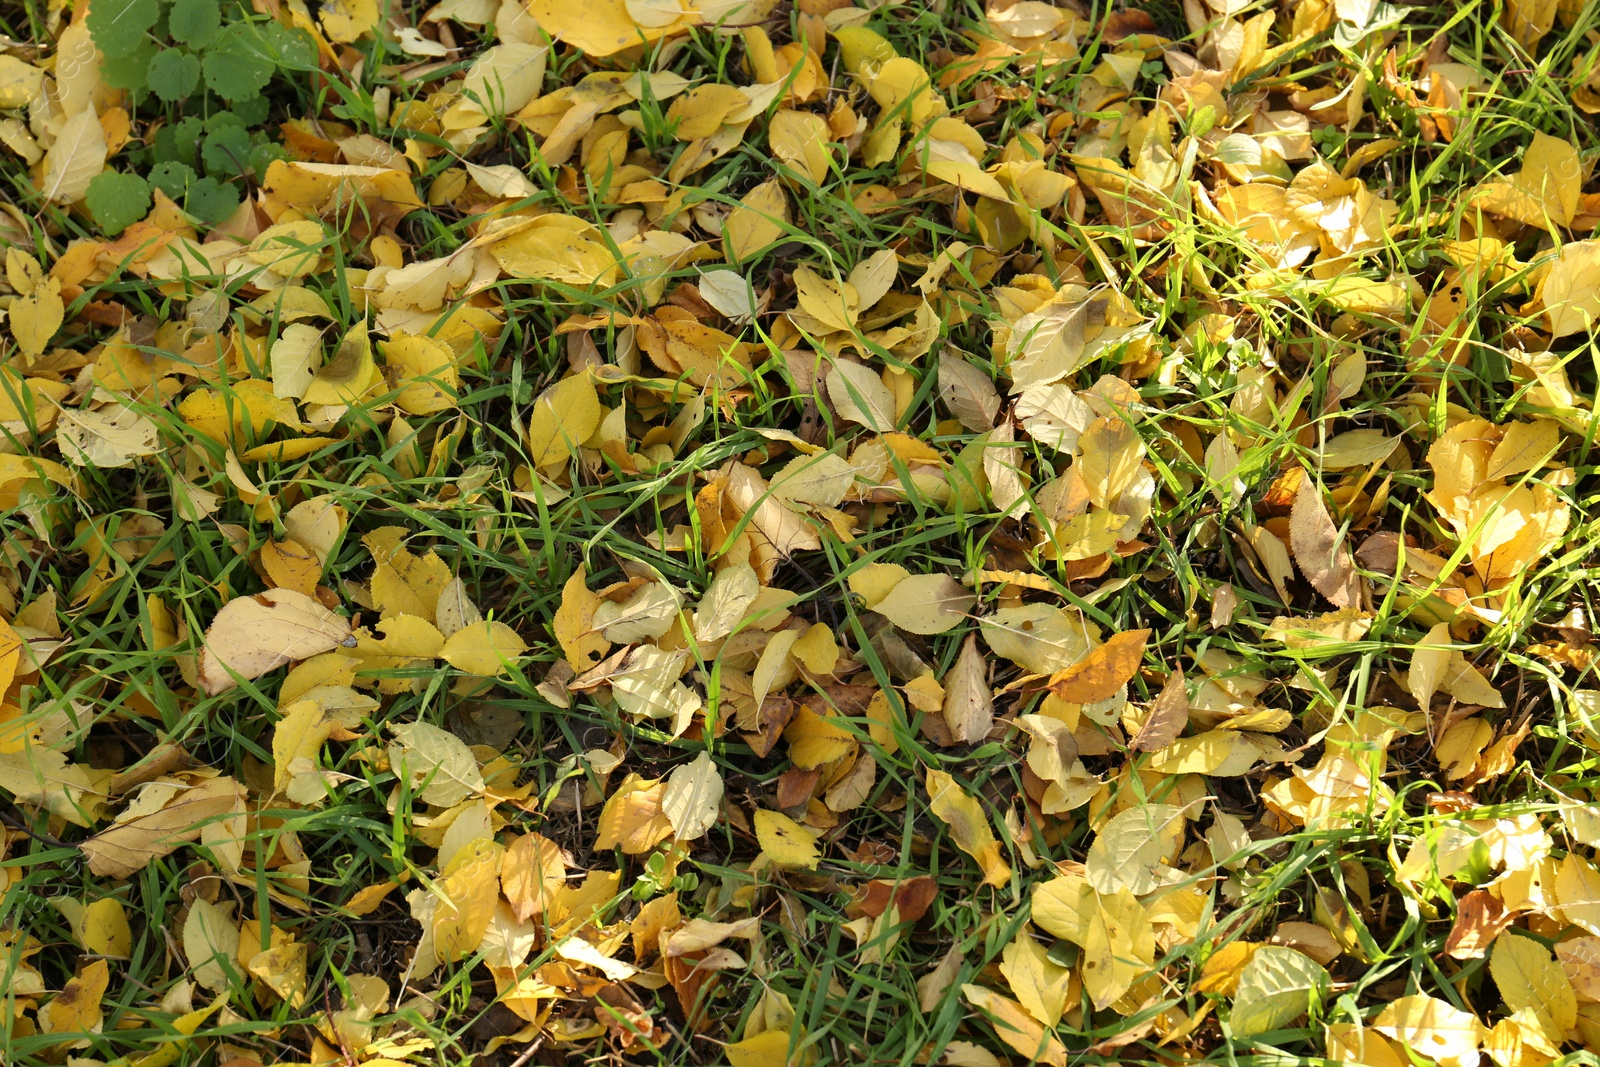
x=1104, y=671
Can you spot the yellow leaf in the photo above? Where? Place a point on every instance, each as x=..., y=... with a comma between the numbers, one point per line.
x=785, y=842
x=76, y=1009
x=1357, y=1046
x=632, y=819
x=366, y=900
x=769, y=1048
x=252, y=635
x=1450, y=1036
x=103, y=929
x=969, y=827
x=531, y=874
x=599, y=27
x=700, y=111
x=1039, y=985
x=801, y=139
x=349, y=375
x=484, y=649
x=296, y=742
x=1113, y=930
x=424, y=370
x=1016, y=1027
x=404, y=583
x=1428, y=662
x=20, y=82
x=1529, y=977
x=346, y=20
x=565, y=415
x=291, y=566
x=1570, y=292
x=282, y=968
x=225, y=416
x=466, y=898
x=760, y=218
x=872, y=582
x=36, y=317
x=583, y=645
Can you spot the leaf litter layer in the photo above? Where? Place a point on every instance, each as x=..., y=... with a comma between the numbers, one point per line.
x=735, y=531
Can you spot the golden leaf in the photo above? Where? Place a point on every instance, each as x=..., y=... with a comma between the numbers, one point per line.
x=969, y=826
x=1104, y=672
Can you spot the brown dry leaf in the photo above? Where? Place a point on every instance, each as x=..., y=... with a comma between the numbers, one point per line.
x=1167, y=717
x=252, y=635
x=139, y=836
x=968, y=700
x=1323, y=557
x=1480, y=919
x=1103, y=672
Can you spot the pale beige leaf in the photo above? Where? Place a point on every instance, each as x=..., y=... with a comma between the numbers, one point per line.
x=112, y=437
x=968, y=392
x=968, y=699
x=252, y=635
x=295, y=357
x=211, y=942
x=731, y=592
x=788, y=532
x=436, y=763
x=1128, y=852
x=693, y=798
x=927, y=604
x=73, y=161
x=140, y=836
x=1168, y=715
x=860, y=396
x=1428, y=662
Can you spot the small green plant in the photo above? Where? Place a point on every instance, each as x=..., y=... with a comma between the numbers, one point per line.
x=205, y=66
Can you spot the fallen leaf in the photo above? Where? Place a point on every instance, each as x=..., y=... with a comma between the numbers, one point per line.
x=252, y=635
x=1167, y=717
x=693, y=798
x=969, y=826
x=1103, y=672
